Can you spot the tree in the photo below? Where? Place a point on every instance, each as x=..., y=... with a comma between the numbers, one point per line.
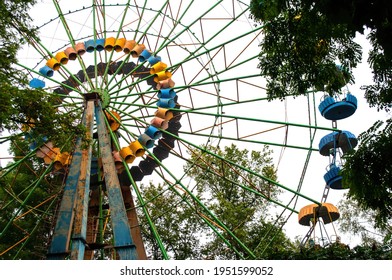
x=357, y=222
x=303, y=41
x=12, y=13
x=22, y=107
x=368, y=173
x=336, y=251
x=225, y=189
x=27, y=203
x=30, y=115
x=301, y=47
x=177, y=225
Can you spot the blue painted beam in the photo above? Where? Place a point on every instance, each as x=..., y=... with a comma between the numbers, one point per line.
x=59, y=247
x=123, y=242
x=82, y=192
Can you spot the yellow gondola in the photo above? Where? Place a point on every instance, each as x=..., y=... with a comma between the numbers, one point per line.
x=310, y=213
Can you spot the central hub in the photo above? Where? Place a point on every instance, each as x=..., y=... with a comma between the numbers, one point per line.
x=101, y=94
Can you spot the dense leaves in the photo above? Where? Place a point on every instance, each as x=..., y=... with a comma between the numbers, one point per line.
x=303, y=40
x=28, y=114
x=303, y=49
x=178, y=225
x=188, y=231
x=225, y=187
x=20, y=105
x=28, y=198
x=379, y=94
x=13, y=17
x=337, y=251
x=368, y=172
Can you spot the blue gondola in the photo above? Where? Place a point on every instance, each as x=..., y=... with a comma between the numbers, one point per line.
x=347, y=141
x=46, y=71
x=344, y=140
x=333, y=109
x=90, y=45
x=145, y=54
x=37, y=83
x=166, y=103
x=153, y=60
x=100, y=44
x=333, y=178
x=166, y=93
x=146, y=140
x=153, y=132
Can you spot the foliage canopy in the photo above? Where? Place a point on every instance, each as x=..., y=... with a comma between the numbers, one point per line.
x=221, y=186
x=368, y=173
x=304, y=40
x=22, y=107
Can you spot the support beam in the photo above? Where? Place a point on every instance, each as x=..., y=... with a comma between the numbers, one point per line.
x=93, y=234
x=134, y=222
x=83, y=190
x=73, y=215
x=123, y=242
x=59, y=247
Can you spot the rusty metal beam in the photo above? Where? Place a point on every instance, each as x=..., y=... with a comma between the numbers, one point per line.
x=59, y=247
x=92, y=222
x=123, y=242
x=82, y=191
x=134, y=222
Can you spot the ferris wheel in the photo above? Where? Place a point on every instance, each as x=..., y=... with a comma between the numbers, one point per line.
x=158, y=85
